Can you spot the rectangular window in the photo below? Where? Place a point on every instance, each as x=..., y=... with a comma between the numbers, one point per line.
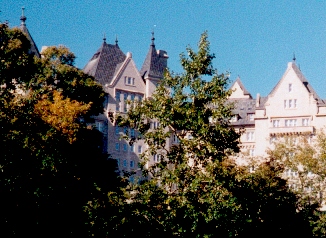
x=132, y=148
x=155, y=158
x=234, y=118
x=118, y=162
x=305, y=122
x=295, y=103
x=132, y=97
x=251, y=116
x=250, y=136
x=117, y=107
x=124, y=147
x=125, y=96
x=117, y=96
x=125, y=109
x=117, y=130
x=125, y=130
x=252, y=152
x=290, y=87
x=290, y=103
x=276, y=123
x=285, y=104
x=139, y=149
x=124, y=163
x=117, y=146
x=132, y=163
x=99, y=126
x=132, y=132
x=290, y=122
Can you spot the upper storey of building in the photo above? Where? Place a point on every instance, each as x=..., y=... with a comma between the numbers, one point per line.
x=113, y=69
x=293, y=96
x=23, y=28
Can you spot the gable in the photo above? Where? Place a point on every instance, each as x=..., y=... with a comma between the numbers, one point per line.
x=239, y=91
x=127, y=77
x=291, y=96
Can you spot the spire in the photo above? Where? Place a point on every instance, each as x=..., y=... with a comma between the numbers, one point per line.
x=23, y=18
x=153, y=39
x=104, y=37
x=294, y=57
x=116, y=39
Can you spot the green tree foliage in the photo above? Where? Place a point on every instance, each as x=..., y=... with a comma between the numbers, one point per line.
x=194, y=189
x=304, y=162
x=51, y=163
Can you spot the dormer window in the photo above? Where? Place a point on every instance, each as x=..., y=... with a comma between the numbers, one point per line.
x=251, y=116
x=234, y=118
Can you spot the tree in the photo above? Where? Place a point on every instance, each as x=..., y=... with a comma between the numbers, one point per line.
x=194, y=189
x=304, y=162
x=51, y=160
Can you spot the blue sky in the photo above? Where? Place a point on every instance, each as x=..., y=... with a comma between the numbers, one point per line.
x=252, y=39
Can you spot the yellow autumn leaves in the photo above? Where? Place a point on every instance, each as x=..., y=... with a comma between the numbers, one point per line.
x=62, y=114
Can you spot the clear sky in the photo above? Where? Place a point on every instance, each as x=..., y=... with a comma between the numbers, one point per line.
x=253, y=39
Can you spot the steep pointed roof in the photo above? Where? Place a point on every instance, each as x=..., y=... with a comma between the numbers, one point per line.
x=306, y=84
x=105, y=62
x=155, y=62
x=242, y=87
x=24, y=29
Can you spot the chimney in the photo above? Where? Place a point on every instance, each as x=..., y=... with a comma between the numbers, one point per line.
x=257, y=100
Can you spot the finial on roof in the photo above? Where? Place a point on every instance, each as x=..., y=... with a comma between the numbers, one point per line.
x=116, y=39
x=294, y=57
x=104, y=37
x=153, y=38
x=23, y=18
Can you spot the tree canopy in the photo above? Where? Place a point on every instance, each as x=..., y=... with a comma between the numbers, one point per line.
x=51, y=162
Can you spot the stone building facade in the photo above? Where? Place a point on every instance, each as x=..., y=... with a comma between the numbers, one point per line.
x=292, y=108
x=123, y=82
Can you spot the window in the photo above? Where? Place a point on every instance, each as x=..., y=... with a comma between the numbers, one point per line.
x=124, y=147
x=132, y=97
x=99, y=126
x=252, y=152
x=125, y=96
x=276, y=123
x=132, y=148
x=251, y=116
x=155, y=158
x=117, y=146
x=132, y=163
x=117, y=107
x=290, y=87
x=117, y=96
x=125, y=109
x=124, y=163
x=291, y=103
x=250, y=136
x=132, y=132
x=118, y=162
x=125, y=131
x=290, y=122
x=117, y=130
x=175, y=138
x=139, y=149
x=305, y=122
x=234, y=118
x=129, y=81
